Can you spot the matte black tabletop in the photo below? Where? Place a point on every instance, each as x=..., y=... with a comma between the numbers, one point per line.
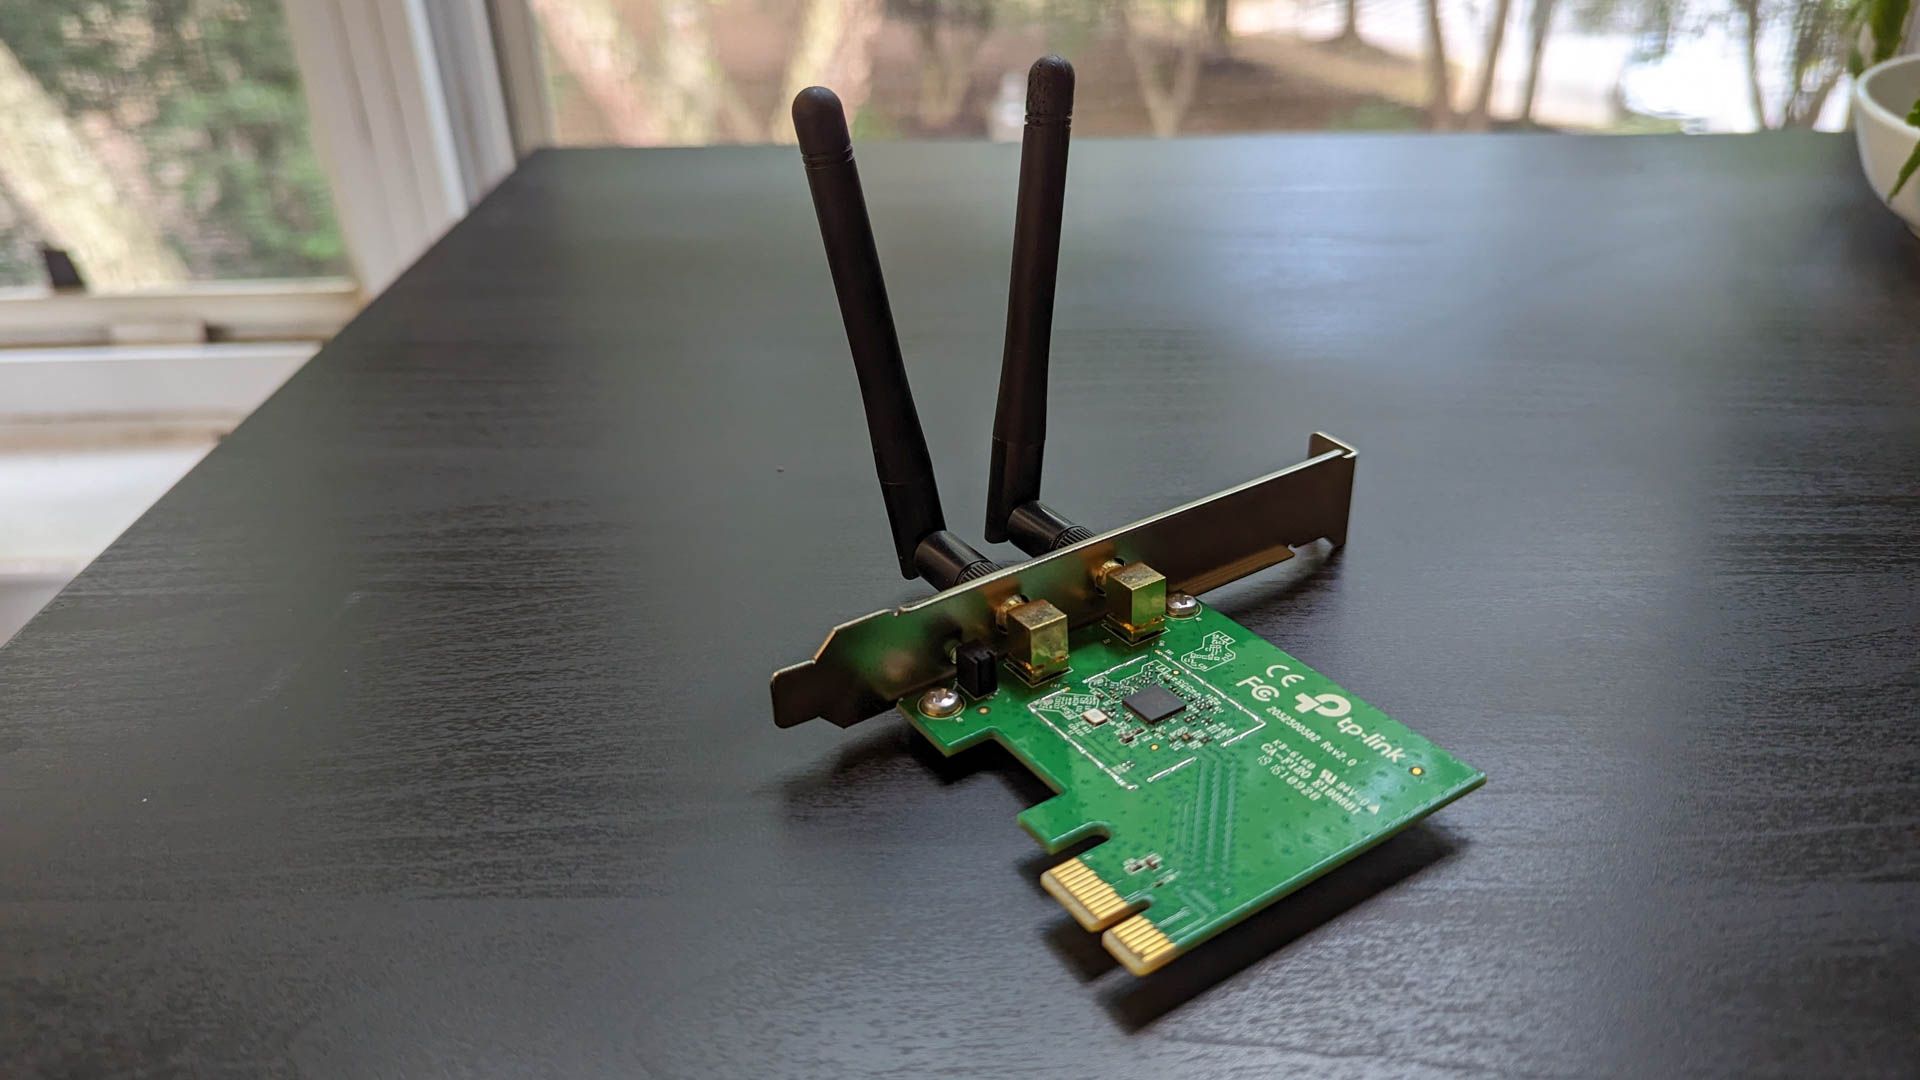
x=424, y=728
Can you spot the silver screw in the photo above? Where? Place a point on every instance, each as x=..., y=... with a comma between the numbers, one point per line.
x=941, y=702
x=1182, y=606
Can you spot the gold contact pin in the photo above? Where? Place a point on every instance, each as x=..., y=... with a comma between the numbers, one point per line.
x=1091, y=901
x=1139, y=945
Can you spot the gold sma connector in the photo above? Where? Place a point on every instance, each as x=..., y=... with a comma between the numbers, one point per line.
x=1037, y=640
x=1136, y=601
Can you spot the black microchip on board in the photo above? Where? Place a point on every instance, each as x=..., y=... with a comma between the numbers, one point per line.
x=1154, y=704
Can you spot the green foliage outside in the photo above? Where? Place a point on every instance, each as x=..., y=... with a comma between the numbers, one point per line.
x=208, y=92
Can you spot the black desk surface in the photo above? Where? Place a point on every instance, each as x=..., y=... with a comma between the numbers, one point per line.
x=424, y=727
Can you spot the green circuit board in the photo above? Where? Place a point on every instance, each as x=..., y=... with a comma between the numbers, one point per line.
x=1223, y=772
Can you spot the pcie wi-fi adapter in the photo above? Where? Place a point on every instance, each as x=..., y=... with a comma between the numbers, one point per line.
x=1223, y=772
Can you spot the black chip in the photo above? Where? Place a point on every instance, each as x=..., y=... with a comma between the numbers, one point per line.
x=1154, y=704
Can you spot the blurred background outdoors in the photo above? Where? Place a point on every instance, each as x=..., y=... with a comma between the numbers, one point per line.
x=163, y=141
x=231, y=178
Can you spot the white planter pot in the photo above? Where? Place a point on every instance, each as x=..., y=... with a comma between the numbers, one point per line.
x=1881, y=97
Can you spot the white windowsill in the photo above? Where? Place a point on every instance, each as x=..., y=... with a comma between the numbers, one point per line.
x=91, y=437
x=310, y=310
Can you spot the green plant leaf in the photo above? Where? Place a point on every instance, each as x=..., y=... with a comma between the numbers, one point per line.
x=1885, y=20
x=1913, y=159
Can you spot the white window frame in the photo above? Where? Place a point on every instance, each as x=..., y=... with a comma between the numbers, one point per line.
x=523, y=74
x=409, y=119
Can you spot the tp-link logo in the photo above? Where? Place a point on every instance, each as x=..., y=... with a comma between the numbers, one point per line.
x=1371, y=740
x=1323, y=704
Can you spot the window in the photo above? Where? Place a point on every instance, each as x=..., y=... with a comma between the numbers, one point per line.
x=652, y=72
x=159, y=143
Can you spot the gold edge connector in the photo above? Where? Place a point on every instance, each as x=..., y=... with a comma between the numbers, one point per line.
x=1139, y=945
x=1091, y=901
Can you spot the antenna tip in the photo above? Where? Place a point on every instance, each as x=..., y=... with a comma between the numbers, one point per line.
x=820, y=123
x=1049, y=89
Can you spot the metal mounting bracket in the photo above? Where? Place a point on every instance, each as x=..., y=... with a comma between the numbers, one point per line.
x=866, y=665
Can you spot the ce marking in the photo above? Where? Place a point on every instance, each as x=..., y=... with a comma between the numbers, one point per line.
x=1259, y=687
x=1291, y=677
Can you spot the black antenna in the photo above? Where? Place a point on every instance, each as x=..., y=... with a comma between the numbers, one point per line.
x=1014, y=509
x=920, y=537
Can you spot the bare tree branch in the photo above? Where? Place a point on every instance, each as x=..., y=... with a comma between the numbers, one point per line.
x=1166, y=105
x=950, y=34
x=1439, y=74
x=834, y=48
x=669, y=93
x=1751, y=40
x=1540, y=24
x=1479, y=114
